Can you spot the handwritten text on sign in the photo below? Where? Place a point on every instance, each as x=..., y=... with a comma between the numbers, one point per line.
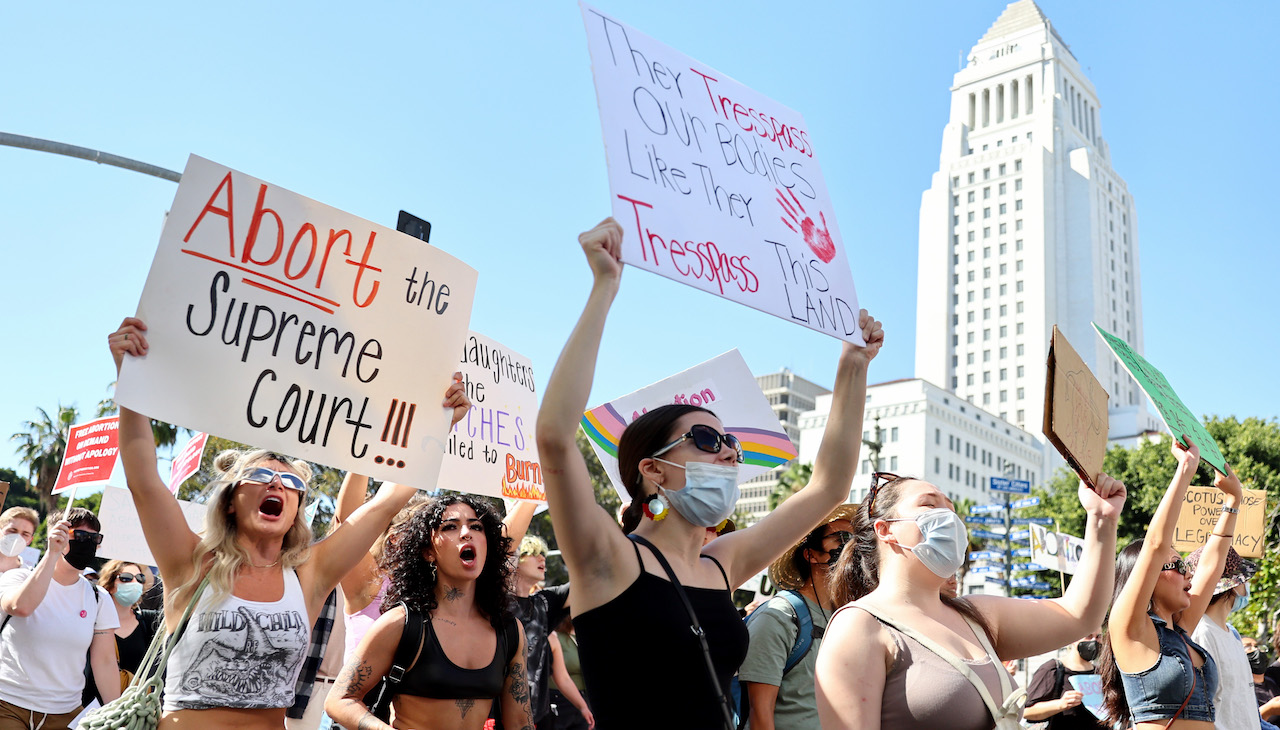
x=716, y=185
x=492, y=449
x=92, y=449
x=281, y=322
x=1200, y=512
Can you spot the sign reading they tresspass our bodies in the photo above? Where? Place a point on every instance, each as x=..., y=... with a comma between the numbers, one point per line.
x=277, y=321
x=723, y=385
x=715, y=185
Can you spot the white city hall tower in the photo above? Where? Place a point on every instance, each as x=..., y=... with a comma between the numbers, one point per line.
x=1025, y=226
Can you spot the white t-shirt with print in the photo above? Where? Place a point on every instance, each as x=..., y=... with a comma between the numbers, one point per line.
x=1234, y=701
x=42, y=656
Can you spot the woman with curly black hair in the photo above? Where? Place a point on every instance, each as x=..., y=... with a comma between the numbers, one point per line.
x=447, y=567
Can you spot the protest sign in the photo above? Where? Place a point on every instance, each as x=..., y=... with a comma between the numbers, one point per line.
x=1075, y=409
x=1089, y=685
x=1181, y=421
x=187, y=462
x=122, y=537
x=1200, y=511
x=277, y=321
x=492, y=450
x=4, y=492
x=1055, y=550
x=715, y=185
x=723, y=385
x=92, y=449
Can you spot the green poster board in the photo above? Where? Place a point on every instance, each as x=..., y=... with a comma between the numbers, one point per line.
x=1175, y=413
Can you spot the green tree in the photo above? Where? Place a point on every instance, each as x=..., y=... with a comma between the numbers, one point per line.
x=165, y=434
x=790, y=481
x=40, y=448
x=20, y=492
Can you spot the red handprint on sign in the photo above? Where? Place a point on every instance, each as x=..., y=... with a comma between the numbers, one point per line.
x=819, y=240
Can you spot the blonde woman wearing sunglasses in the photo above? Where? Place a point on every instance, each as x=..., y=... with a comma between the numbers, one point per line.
x=239, y=657
x=680, y=468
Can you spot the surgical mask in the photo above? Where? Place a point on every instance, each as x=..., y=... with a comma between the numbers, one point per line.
x=81, y=553
x=128, y=594
x=1241, y=601
x=944, y=540
x=12, y=545
x=1087, y=649
x=710, y=492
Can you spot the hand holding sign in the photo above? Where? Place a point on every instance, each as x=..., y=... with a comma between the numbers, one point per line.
x=872, y=333
x=1188, y=456
x=59, y=538
x=603, y=247
x=1230, y=485
x=1105, y=500
x=128, y=339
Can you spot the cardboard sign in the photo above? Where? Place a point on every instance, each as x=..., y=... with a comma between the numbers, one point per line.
x=187, y=462
x=1055, y=550
x=717, y=186
x=1075, y=409
x=4, y=492
x=723, y=385
x=1175, y=413
x=1089, y=685
x=122, y=537
x=284, y=323
x=1200, y=511
x=92, y=449
x=492, y=450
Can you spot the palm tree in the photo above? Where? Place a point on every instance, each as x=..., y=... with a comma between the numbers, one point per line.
x=41, y=446
x=790, y=481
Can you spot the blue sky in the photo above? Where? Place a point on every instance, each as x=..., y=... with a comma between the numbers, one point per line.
x=482, y=118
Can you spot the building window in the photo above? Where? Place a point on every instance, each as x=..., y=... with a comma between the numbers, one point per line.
x=1021, y=371
x=970, y=256
x=968, y=379
x=986, y=212
x=970, y=220
x=893, y=463
x=986, y=272
x=1004, y=268
x=1017, y=165
x=1004, y=308
x=986, y=312
x=955, y=200
x=1021, y=417
x=968, y=317
x=1004, y=248
x=1004, y=396
x=1019, y=308
x=986, y=232
x=970, y=296
x=986, y=399
x=1020, y=330
x=1017, y=225
x=986, y=173
x=1019, y=287
x=986, y=252
x=970, y=275
x=986, y=356
x=1004, y=289
x=1004, y=208
x=1004, y=373
x=1019, y=265
x=1017, y=184
x=986, y=335
x=969, y=359
x=1017, y=245
x=955, y=181
x=971, y=178
x=1004, y=228
x=969, y=338
x=970, y=196
x=970, y=236
x=986, y=193
x=986, y=377
x=1022, y=393
x=1002, y=168
x=1003, y=187
x=937, y=465
x=893, y=434
x=1004, y=330
x=1017, y=204
x=986, y=292
x=1021, y=350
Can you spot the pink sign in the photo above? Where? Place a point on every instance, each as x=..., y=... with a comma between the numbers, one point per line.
x=187, y=462
x=91, y=454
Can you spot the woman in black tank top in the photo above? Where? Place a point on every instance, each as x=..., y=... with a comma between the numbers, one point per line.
x=643, y=665
x=447, y=564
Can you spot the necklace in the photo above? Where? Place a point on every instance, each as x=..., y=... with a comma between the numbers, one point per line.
x=263, y=567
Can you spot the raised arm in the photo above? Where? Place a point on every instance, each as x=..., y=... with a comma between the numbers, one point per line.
x=356, y=591
x=344, y=548
x=166, y=530
x=516, y=524
x=746, y=552
x=1026, y=628
x=1214, y=558
x=589, y=539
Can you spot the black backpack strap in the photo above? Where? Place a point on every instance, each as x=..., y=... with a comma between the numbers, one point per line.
x=1059, y=678
x=511, y=635
x=410, y=647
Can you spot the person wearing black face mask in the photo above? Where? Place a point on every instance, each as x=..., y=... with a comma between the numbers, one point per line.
x=1265, y=688
x=1052, y=698
x=53, y=616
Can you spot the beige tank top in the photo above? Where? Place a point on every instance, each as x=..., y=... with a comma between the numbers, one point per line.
x=923, y=692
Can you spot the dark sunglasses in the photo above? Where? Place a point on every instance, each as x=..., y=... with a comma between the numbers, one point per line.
x=706, y=439
x=131, y=577
x=86, y=536
x=878, y=480
x=1179, y=565
x=263, y=475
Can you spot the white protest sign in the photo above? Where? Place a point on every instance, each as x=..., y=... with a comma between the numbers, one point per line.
x=277, y=321
x=723, y=385
x=1055, y=550
x=187, y=462
x=492, y=450
x=122, y=537
x=717, y=186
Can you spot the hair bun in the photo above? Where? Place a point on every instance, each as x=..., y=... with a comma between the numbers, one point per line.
x=224, y=461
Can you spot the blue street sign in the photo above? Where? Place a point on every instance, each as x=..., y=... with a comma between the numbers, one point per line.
x=980, y=569
x=982, y=508
x=1014, y=486
x=1027, y=566
x=1033, y=520
x=1022, y=582
x=1022, y=553
x=997, y=581
x=986, y=534
x=1035, y=585
x=1025, y=502
x=1021, y=535
x=986, y=555
x=985, y=520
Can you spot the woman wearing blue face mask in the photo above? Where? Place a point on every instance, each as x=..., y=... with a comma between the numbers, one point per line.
x=680, y=469
x=902, y=655
x=126, y=582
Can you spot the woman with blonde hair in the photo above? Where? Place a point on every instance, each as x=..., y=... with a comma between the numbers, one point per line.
x=239, y=657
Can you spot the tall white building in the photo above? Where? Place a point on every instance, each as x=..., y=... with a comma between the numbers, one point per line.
x=790, y=395
x=1026, y=225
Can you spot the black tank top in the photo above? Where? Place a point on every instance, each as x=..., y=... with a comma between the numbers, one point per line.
x=436, y=676
x=642, y=664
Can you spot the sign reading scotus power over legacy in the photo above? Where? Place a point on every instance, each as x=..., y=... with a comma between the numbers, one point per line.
x=492, y=450
x=716, y=185
x=723, y=385
x=277, y=321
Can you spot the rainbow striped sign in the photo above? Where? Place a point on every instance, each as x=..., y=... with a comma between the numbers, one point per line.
x=724, y=385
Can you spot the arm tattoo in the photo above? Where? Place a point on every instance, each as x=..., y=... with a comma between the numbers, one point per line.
x=369, y=722
x=452, y=593
x=353, y=676
x=519, y=684
x=464, y=706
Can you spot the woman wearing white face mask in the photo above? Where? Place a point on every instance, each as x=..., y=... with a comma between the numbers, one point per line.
x=680, y=468
x=126, y=582
x=901, y=655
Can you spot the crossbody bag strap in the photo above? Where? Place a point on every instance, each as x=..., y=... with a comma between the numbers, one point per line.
x=150, y=669
x=1183, y=706
x=696, y=627
x=998, y=712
